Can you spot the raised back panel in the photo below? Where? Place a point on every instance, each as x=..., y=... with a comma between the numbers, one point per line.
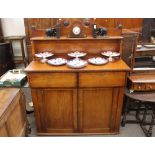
x=35, y=27
x=89, y=45
x=66, y=31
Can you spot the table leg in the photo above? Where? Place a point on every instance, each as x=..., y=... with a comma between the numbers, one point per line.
x=147, y=132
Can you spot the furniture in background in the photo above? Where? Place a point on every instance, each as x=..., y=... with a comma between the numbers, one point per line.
x=6, y=58
x=148, y=30
x=144, y=55
x=130, y=39
x=77, y=101
x=144, y=105
x=140, y=97
x=1, y=34
x=18, y=59
x=13, y=121
x=144, y=58
x=141, y=82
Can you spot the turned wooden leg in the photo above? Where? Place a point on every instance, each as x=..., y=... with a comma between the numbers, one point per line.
x=152, y=122
x=138, y=112
x=148, y=133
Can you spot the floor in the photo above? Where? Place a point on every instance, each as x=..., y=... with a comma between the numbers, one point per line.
x=130, y=130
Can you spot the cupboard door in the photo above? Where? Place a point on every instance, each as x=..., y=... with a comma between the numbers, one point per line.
x=56, y=110
x=97, y=110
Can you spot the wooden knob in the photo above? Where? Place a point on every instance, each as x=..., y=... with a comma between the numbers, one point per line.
x=139, y=87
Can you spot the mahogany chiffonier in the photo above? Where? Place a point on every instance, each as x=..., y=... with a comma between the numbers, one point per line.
x=13, y=121
x=77, y=101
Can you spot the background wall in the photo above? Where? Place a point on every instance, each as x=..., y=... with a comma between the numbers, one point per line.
x=14, y=27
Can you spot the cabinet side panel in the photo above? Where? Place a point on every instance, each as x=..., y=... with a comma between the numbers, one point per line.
x=16, y=121
x=119, y=109
x=36, y=98
x=3, y=131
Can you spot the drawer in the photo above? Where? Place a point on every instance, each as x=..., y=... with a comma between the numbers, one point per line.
x=138, y=87
x=48, y=80
x=150, y=86
x=102, y=79
x=143, y=86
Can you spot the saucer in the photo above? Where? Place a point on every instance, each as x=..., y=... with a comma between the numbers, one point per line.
x=77, y=54
x=43, y=55
x=98, y=61
x=77, y=63
x=57, y=61
x=110, y=54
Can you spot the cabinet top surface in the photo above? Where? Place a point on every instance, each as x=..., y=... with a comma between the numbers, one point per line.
x=6, y=95
x=142, y=78
x=145, y=49
x=86, y=38
x=14, y=38
x=36, y=66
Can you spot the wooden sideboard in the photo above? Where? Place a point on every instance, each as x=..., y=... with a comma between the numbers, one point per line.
x=77, y=101
x=13, y=121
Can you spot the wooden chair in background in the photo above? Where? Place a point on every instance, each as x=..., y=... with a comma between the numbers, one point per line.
x=18, y=59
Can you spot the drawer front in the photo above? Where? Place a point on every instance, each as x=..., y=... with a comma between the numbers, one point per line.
x=143, y=86
x=138, y=87
x=102, y=79
x=48, y=80
x=150, y=86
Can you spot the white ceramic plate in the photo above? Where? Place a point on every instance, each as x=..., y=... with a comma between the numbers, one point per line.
x=77, y=54
x=149, y=46
x=98, y=61
x=110, y=53
x=57, y=61
x=77, y=63
x=43, y=55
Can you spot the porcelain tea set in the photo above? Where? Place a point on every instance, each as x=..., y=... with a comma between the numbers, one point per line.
x=77, y=61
